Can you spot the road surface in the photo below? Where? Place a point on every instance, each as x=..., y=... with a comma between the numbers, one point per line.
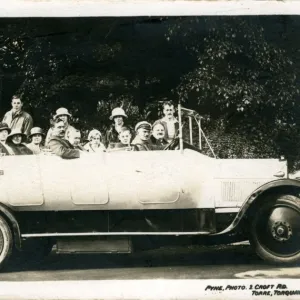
x=232, y=261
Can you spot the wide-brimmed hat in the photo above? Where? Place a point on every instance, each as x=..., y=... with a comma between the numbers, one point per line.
x=118, y=111
x=36, y=130
x=143, y=124
x=16, y=132
x=4, y=126
x=62, y=112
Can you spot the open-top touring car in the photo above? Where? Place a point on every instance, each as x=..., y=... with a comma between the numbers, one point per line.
x=122, y=201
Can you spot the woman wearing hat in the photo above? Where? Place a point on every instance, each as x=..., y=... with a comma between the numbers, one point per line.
x=15, y=141
x=36, y=136
x=94, y=144
x=112, y=134
x=4, y=132
x=64, y=115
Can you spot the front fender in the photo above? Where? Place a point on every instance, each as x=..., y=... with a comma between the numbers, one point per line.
x=8, y=215
x=280, y=185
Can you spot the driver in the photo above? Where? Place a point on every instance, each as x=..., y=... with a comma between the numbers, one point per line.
x=158, y=135
x=142, y=139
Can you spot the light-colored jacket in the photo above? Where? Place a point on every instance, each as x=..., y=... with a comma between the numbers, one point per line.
x=88, y=147
x=36, y=149
x=20, y=120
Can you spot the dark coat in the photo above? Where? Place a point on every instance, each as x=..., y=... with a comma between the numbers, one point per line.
x=112, y=136
x=63, y=148
x=19, y=149
x=119, y=146
x=3, y=150
x=143, y=145
x=158, y=144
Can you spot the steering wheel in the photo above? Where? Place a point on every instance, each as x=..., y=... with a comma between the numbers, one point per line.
x=172, y=145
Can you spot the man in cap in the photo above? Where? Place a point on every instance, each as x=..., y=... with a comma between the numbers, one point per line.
x=112, y=134
x=36, y=136
x=65, y=116
x=4, y=132
x=142, y=138
x=16, y=118
x=59, y=145
x=169, y=121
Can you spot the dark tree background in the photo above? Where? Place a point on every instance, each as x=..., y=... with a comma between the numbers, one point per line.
x=240, y=73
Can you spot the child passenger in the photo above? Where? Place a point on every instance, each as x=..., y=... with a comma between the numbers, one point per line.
x=124, y=140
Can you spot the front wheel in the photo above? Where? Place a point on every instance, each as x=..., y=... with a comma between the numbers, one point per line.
x=6, y=242
x=275, y=229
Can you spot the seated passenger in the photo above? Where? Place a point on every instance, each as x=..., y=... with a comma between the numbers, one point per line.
x=4, y=132
x=94, y=144
x=158, y=134
x=125, y=138
x=36, y=136
x=63, y=114
x=118, y=116
x=59, y=145
x=169, y=121
x=74, y=137
x=15, y=141
x=142, y=139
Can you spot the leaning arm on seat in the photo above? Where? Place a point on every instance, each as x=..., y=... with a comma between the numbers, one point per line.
x=62, y=151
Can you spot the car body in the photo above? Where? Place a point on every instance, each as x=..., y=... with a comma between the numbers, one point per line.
x=119, y=201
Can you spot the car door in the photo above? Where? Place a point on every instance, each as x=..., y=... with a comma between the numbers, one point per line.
x=145, y=177
x=68, y=183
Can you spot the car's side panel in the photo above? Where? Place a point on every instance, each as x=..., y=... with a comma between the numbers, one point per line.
x=79, y=182
x=144, y=177
x=236, y=179
x=20, y=181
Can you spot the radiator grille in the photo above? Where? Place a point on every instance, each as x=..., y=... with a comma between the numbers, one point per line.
x=237, y=191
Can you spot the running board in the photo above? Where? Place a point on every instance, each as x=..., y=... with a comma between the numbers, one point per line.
x=74, y=245
x=65, y=234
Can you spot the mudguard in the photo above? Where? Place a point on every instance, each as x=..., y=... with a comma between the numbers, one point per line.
x=276, y=185
x=7, y=213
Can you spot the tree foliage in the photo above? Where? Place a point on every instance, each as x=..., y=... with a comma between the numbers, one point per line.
x=237, y=72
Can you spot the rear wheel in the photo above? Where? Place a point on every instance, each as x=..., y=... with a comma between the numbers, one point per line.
x=6, y=242
x=275, y=230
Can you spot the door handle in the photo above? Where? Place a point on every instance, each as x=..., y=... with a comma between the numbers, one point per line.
x=138, y=171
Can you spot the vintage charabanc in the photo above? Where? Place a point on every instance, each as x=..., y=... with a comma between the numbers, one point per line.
x=124, y=201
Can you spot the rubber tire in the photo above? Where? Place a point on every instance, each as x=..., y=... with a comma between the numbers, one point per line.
x=8, y=242
x=259, y=249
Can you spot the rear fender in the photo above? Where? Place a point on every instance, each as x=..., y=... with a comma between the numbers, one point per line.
x=287, y=186
x=12, y=221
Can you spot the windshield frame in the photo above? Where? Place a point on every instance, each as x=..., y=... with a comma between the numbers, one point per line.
x=192, y=116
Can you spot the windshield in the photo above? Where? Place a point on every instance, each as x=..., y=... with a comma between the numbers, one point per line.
x=191, y=132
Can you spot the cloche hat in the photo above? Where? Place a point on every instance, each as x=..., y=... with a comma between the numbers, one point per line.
x=118, y=111
x=16, y=132
x=4, y=126
x=61, y=112
x=36, y=130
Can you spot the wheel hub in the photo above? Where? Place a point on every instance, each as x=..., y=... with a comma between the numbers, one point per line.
x=281, y=231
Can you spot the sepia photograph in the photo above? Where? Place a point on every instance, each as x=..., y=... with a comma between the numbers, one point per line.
x=149, y=148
